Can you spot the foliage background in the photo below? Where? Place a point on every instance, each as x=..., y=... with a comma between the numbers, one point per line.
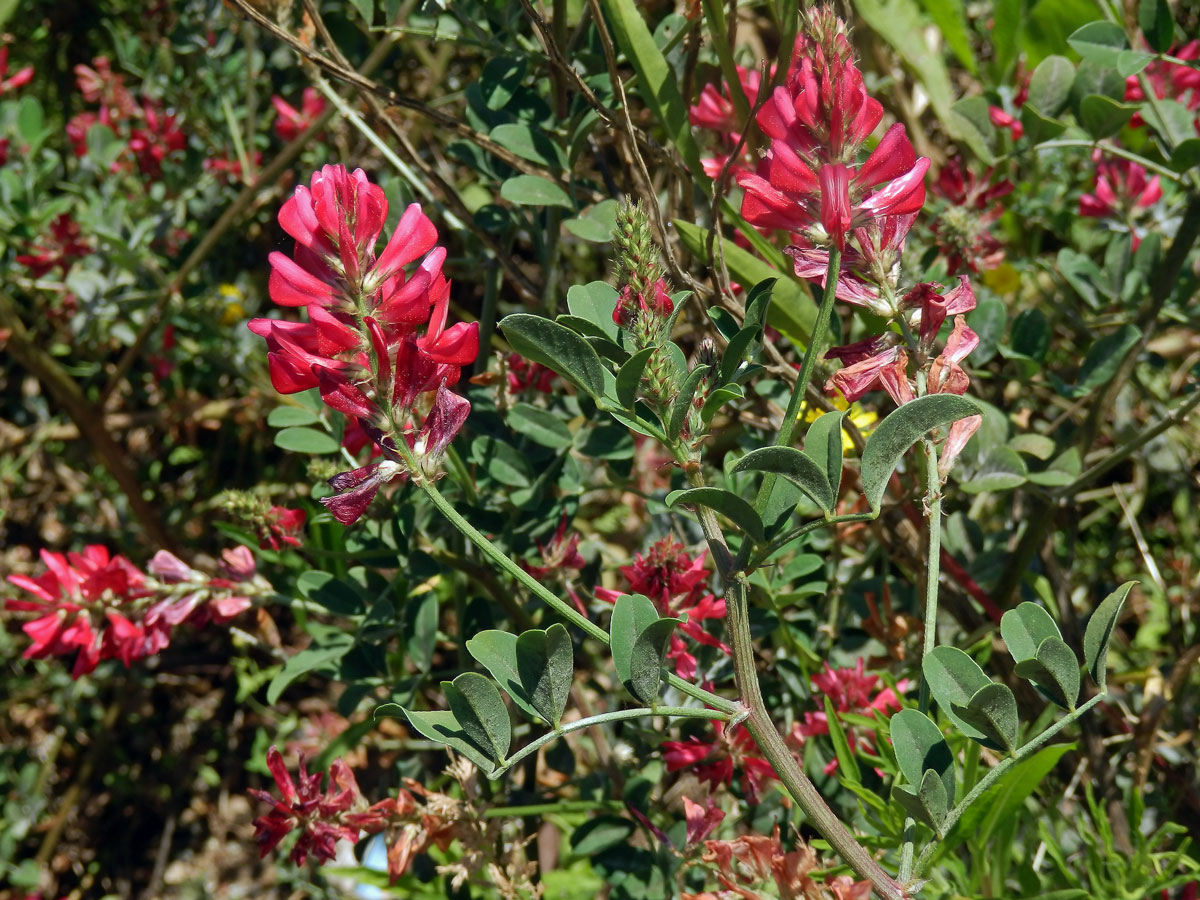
x=134, y=784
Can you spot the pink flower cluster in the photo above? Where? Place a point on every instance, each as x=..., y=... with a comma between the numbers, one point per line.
x=101, y=606
x=850, y=691
x=1169, y=81
x=57, y=250
x=362, y=345
x=963, y=231
x=716, y=761
x=715, y=111
x=676, y=583
x=153, y=135
x=817, y=123
x=1120, y=190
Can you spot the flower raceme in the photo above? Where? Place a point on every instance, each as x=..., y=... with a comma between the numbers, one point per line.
x=101, y=606
x=807, y=182
x=363, y=346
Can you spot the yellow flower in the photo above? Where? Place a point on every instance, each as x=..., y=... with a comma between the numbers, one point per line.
x=864, y=419
x=1004, y=279
x=233, y=311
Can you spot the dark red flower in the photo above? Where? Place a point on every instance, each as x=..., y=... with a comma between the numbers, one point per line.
x=304, y=805
x=717, y=761
x=56, y=250
x=289, y=121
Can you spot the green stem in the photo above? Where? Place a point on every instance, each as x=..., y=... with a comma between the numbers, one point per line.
x=783, y=540
x=541, y=809
x=788, y=426
x=678, y=712
x=933, y=503
x=1114, y=150
x=933, y=506
x=996, y=771
x=564, y=609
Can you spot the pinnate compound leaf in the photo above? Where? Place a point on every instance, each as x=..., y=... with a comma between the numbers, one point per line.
x=480, y=711
x=954, y=678
x=920, y=747
x=629, y=376
x=795, y=466
x=899, y=431
x=638, y=644
x=1055, y=671
x=496, y=651
x=441, y=726
x=556, y=347
x=731, y=506
x=1099, y=631
x=546, y=666
x=993, y=710
x=1025, y=627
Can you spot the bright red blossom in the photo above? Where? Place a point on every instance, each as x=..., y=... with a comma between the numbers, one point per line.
x=362, y=345
x=17, y=79
x=716, y=761
x=56, y=250
x=850, y=691
x=101, y=606
x=290, y=121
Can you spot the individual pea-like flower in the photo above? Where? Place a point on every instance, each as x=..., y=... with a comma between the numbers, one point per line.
x=17, y=79
x=289, y=121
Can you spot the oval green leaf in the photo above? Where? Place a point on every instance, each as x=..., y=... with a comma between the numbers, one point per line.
x=1054, y=670
x=683, y=401
x=305, y=440
x=954, y=678
x=629, y=377
x=729, y=505
x=900, y=430
x=546, y=666
x=496, y=651
x=442, y=727
x=1025, y=627
x=534, y=190
x=920, y=747
x=480, y=711
x=556, y=347
x=993, y=710
x=1099, y=631
x=796, y=467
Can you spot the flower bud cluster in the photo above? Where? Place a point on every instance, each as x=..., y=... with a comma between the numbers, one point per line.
x=376, y=343
x=644, y=308
x=101, y=606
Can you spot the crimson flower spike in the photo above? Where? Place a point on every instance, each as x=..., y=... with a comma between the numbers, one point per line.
x=376, y=343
